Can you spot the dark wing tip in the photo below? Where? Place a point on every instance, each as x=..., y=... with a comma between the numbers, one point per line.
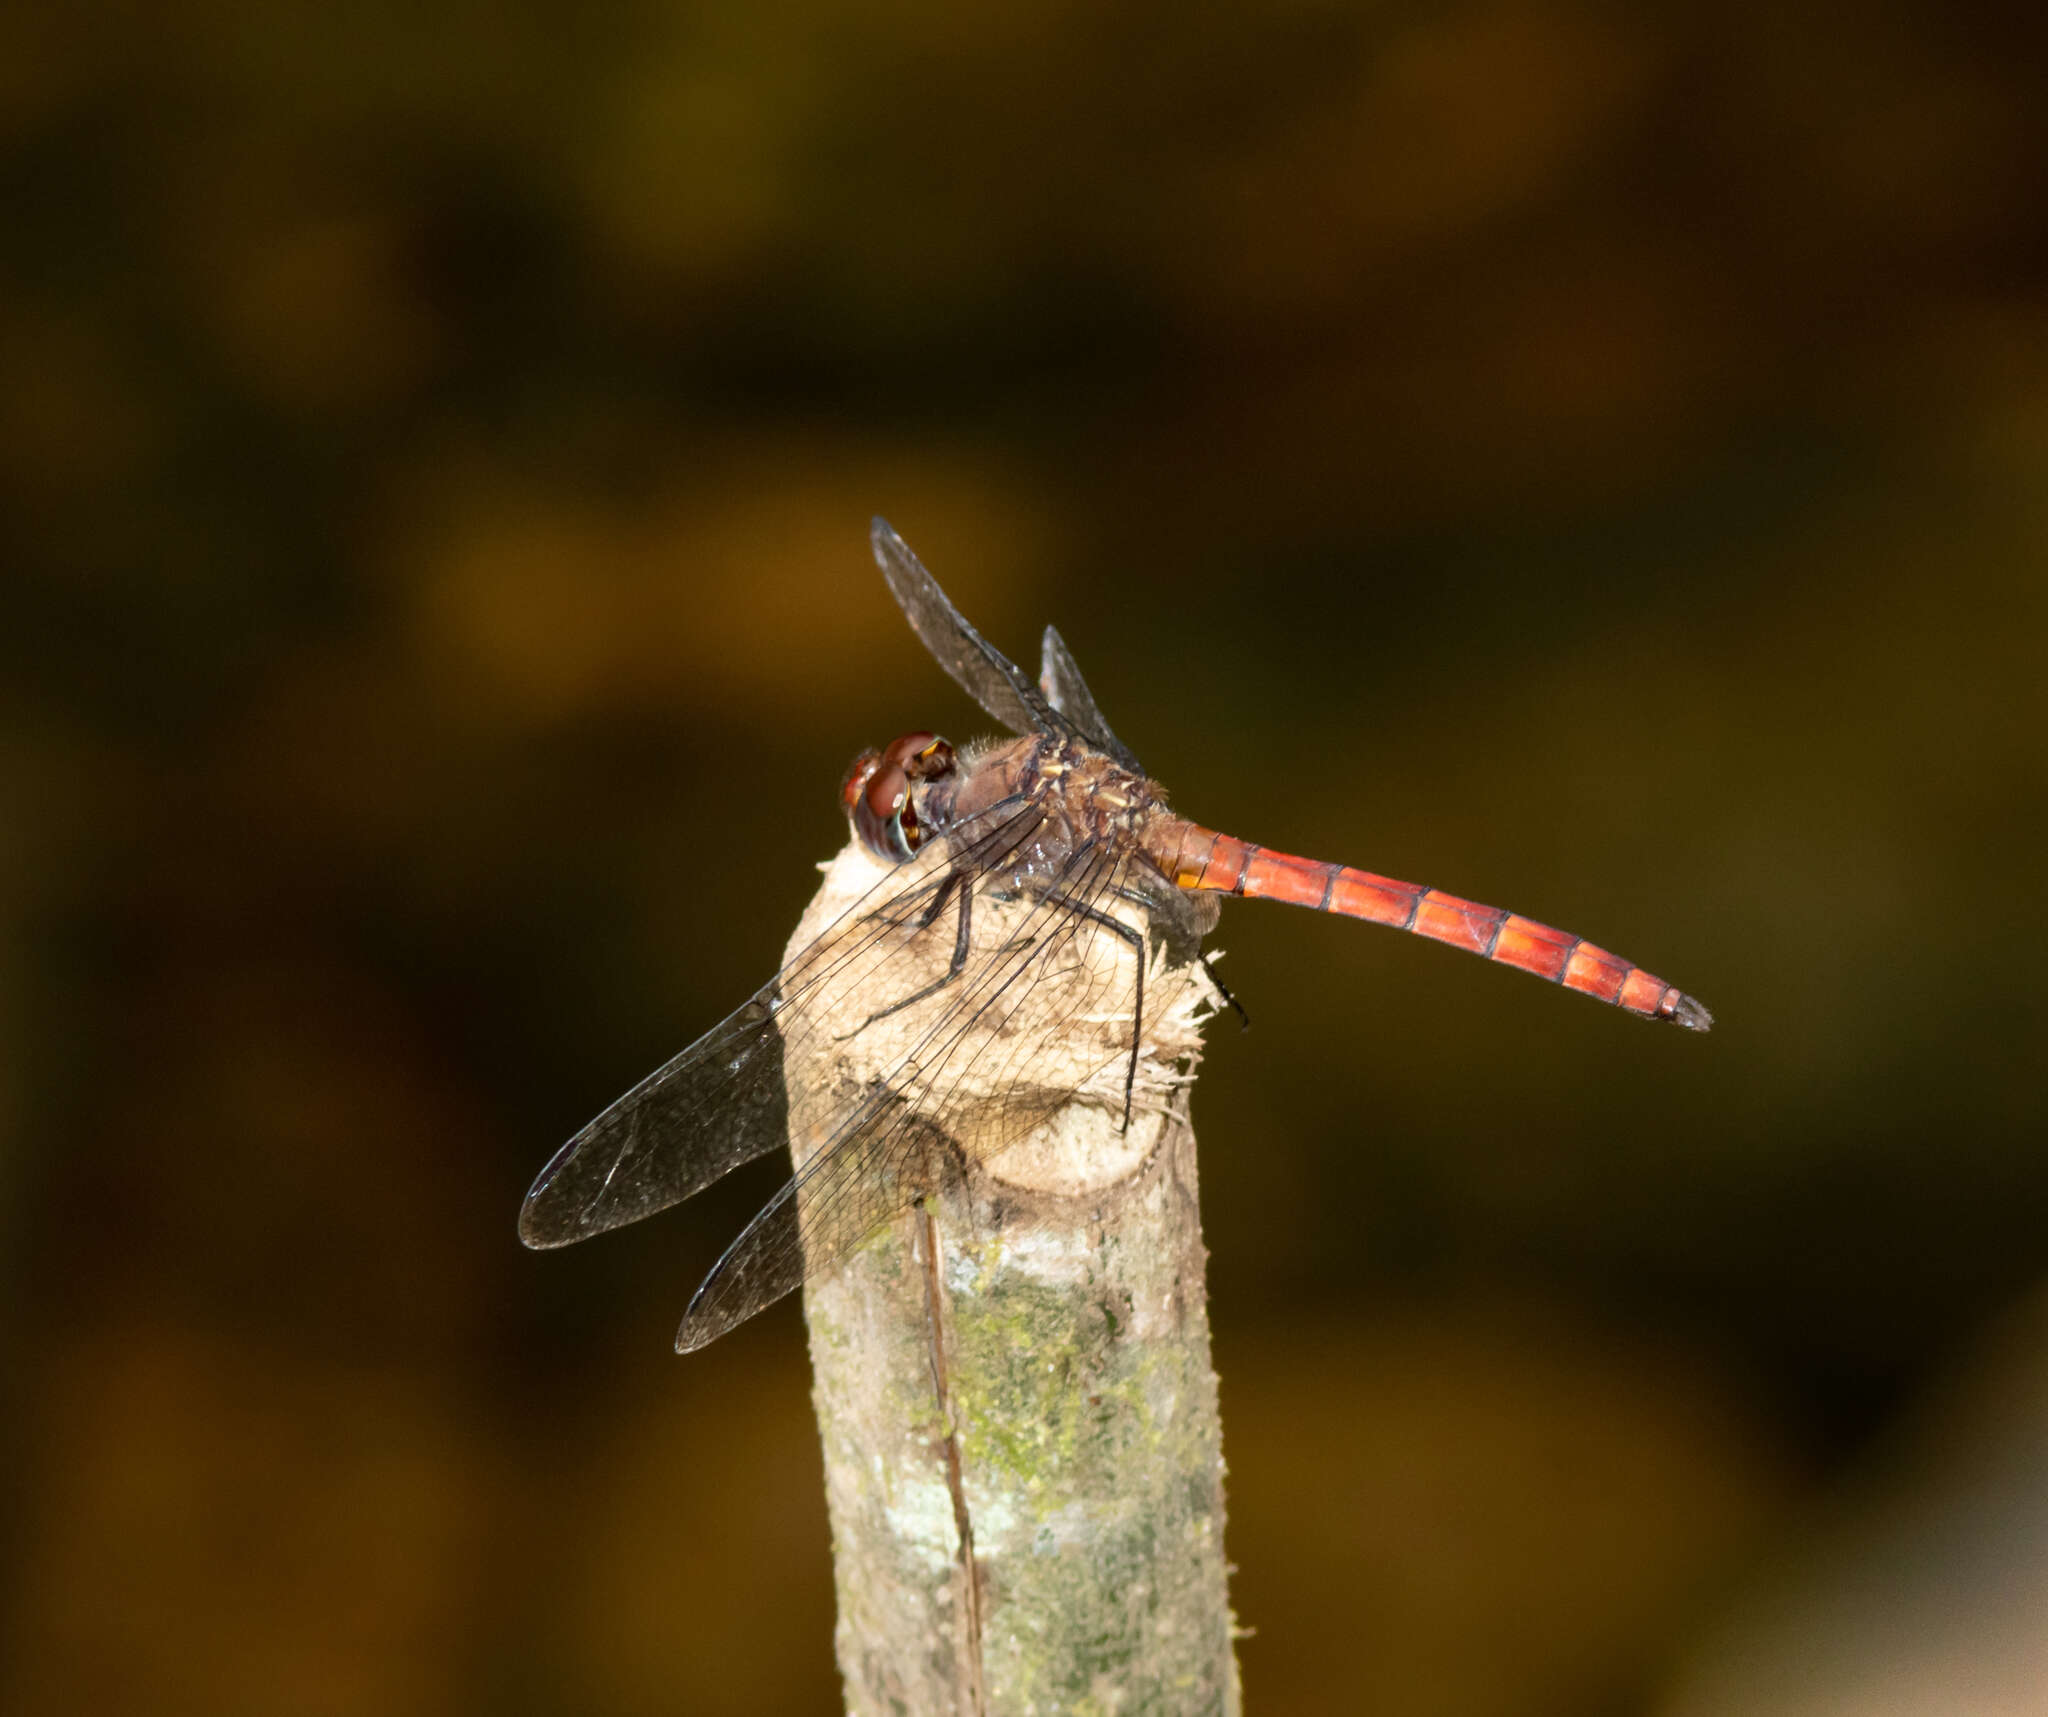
x=1687, y=1011
x=707, y=1317
x=543, y=1223
x=539, y=1220
x=882, y=538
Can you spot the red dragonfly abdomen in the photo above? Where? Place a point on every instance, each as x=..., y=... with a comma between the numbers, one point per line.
x=1201, y=859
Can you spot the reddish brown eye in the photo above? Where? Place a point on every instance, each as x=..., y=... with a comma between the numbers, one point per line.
x=878, y=816
x=876, y=793
x=922, y=756
x=858, y=774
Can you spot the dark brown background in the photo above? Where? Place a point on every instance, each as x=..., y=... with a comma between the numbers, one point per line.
x=1588, y=457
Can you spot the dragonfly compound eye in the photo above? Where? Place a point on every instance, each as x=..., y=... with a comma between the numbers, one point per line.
x=877, y=793
x=858, y=774
x=921, y=756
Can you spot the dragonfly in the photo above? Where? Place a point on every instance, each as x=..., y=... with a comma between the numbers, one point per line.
x=1059, y=837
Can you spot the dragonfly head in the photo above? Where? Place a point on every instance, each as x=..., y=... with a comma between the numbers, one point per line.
x=876, y=793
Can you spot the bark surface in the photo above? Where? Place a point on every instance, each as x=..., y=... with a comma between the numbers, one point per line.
x=1023, y=1457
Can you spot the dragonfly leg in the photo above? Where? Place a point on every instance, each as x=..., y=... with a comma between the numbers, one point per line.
x=1182, y=931
x=1244, y=1020
x=1117, y=927
x=954, y=884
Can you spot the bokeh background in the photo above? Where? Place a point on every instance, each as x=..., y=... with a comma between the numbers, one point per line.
x=1593, y=457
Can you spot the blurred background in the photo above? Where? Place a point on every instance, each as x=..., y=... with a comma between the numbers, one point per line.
x=1591, y=457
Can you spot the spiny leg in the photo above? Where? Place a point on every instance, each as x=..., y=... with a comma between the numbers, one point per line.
x=1163, y=901
x=954, y=883
x=1117, y=927
x=1244, y=1020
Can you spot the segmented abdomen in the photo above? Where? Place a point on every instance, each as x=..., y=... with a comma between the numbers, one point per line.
x=1201, y=859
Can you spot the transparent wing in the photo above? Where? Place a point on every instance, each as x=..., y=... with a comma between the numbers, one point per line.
x=1060, y=679
x=981, y=670
x=722, y=1101
x=718, y=1104
x=1049, y=1009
